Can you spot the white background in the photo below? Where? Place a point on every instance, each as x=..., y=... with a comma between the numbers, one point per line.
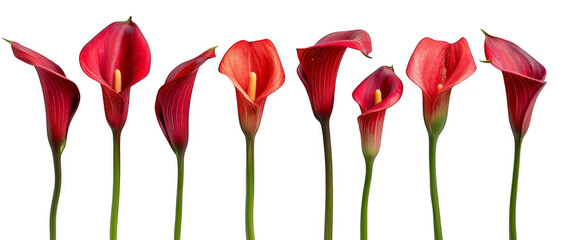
x=475, y=151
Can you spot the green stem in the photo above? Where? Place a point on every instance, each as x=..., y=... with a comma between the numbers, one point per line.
x=56, y=192
x=365, y=193
x=328, y=228
x=514, y=190
x=433, y=188
x=116, y=184
x=250, y=181
x=179, y=199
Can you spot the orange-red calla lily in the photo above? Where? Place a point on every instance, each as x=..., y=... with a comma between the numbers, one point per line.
x=256, y=71
x=118, y=57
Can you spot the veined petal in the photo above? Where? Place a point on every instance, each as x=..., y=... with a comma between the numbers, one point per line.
x=439, y=62
x=371, y=121
x=523, y=76
x=261, y=58
x=60, y=94
x=319, y=65
x=174, y=98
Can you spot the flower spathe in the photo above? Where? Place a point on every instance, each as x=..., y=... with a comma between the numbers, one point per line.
x=379, y=91
x=319, y=65
x=118, y=57
x=174, y=98
x=436, y=67
x=256, y=71
x=60, y=94
x=523, y=77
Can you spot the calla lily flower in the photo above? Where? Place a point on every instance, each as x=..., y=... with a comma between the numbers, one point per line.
x=318, y=69
x=172, y=111
x=319, y=65
x=61, y=102
x=61, y=95
x=118, y=57
x=174, y=98
x=256, y=71
x=523, y=77
x=436, y=67
x=379, y=91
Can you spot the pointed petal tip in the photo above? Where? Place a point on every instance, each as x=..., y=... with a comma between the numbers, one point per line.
x=486, y=34
x=366, y=55
x=7, y=40
x=485, y=61
x=391, y=68
x=128, y=20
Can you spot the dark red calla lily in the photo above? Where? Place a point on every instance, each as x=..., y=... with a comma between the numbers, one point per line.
x=120, y=46
x=174, y=98
x=382, y=83
x=259, y=57
x=523, y=77
x=319, y=65
x=436, y=67
x=61, y=95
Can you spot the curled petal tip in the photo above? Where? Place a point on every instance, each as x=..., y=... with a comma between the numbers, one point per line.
x=366, y=55
x=7, y=40
x=485, y=61
x=486, y=34
x=128, y=20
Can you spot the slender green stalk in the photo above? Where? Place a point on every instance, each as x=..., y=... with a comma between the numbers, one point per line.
x=514, y=190
x=365, y=193
x=250, y=181
x=56, y=192
x=433, y=188
x=179, y=200
x=328, y=228
x=116, y=184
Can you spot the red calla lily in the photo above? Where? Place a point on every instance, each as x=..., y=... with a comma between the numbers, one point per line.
x=174, y=98
x=61, y=95
x=319, y=65
x=523, y=77
x=371, y=120
x=61, y=102
x=261, y=58
x=120, y=46
x=436, y=67
x=172, y=110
